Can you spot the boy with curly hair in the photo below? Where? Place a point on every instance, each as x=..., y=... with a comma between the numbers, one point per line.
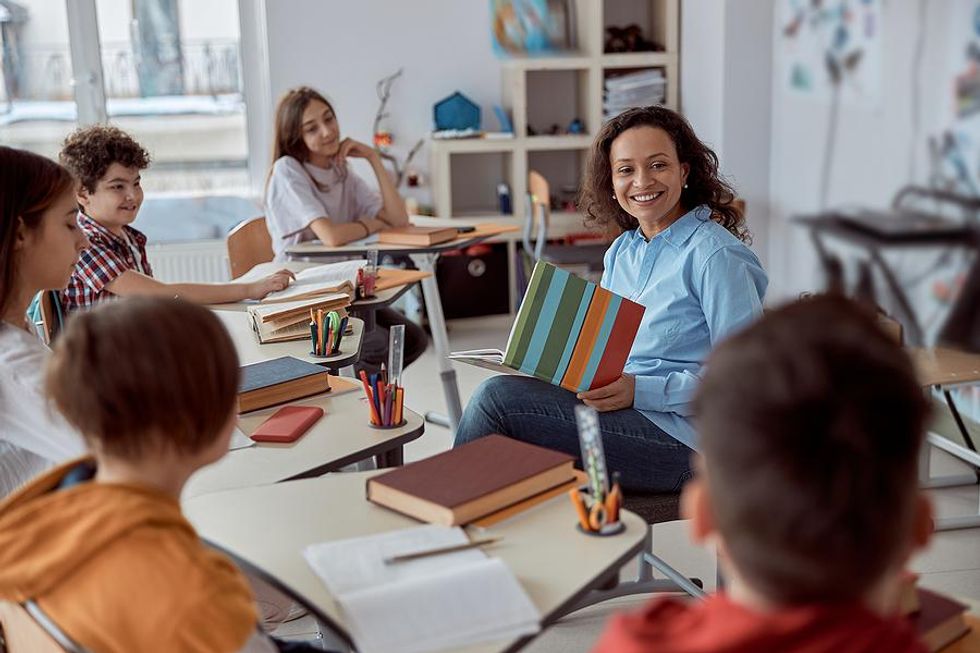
x=108, y=162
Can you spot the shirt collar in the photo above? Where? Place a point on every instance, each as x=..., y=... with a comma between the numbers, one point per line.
x=683, y=228
x=94, y=229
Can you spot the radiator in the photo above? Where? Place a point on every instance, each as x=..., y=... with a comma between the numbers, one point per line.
x=200, y=261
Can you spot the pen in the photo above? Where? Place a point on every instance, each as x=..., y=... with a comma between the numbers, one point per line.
x=404, y=557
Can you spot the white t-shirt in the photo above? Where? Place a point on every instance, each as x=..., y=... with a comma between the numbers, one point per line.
x=293, y=200
x=33, y=436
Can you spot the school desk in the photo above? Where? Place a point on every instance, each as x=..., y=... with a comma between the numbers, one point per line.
x=425, y=259
x=250, y=350
x=266, y=528
x=341, y=437
x=946, y=369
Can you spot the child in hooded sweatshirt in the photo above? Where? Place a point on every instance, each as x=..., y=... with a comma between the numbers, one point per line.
x=807, y=485
x=100, y=544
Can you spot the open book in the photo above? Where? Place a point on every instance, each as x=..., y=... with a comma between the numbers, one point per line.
x=569, y=332
x=427, y=604
x=319, y=280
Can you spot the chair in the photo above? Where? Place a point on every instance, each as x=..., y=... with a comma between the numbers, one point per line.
x=26, y=629
x=536, y=225
x=249, y=244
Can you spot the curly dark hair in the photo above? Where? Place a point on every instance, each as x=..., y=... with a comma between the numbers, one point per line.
x=704, y=184
x=89, y=151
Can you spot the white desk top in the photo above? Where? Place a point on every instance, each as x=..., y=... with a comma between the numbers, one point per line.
x=480, y=233
x=342, y=436
x=268, y=527
x=251, y=351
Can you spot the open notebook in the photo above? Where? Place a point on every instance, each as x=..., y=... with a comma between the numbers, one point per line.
x=569, y=332
x=428, y=604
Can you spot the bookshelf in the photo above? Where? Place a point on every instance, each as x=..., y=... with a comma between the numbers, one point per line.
x=539, y=92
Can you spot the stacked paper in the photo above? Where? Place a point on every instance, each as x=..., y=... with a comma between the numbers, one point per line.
x=638, y=89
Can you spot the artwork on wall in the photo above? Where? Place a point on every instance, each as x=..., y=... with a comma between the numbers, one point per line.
x=521, y=27
x=828, y=44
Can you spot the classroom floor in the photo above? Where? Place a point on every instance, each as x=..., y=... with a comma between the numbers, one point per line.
x=951, y=564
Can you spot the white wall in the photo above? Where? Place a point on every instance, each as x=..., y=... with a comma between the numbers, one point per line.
x=726, y=73
x=344, y=48
x=873, y=144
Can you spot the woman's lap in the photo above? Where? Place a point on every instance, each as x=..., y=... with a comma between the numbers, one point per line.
x=533, y=411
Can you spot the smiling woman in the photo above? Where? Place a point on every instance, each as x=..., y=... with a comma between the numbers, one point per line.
x=681, y=255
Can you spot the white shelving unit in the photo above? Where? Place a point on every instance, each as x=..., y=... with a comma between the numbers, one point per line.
x=541, y=91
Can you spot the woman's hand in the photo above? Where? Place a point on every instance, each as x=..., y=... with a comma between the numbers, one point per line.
x=357, y=150
x=616, y=395
x=272, y=283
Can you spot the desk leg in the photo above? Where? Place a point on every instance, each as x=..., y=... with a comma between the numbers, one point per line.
x=391, y=458
x=437, y=322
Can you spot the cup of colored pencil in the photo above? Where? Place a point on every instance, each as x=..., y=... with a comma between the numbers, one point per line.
x=598, y=515
x=326, y=331
x=386, y=400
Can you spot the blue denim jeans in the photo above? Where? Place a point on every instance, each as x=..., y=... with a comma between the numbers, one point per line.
x=533, y=411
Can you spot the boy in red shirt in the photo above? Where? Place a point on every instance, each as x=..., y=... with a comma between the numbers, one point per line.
x=808, y=487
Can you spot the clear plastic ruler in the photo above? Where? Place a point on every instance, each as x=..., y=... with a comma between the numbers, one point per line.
x=396, y=353
x=593, y=456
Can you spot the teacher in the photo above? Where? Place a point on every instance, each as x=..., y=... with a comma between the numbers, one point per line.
x=682, y=255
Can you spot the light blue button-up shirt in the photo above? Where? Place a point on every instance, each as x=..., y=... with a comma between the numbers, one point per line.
x=698, y=283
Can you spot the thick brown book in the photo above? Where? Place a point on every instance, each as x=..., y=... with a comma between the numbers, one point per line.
x=469, y=482
x=412, y=235
x=938, y=619
x=279, y=380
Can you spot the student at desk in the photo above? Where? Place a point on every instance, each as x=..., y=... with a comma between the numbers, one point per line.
x=681, y=255
x=108, y=163
x=100, y=544
x=39, y=244
x=313, y=194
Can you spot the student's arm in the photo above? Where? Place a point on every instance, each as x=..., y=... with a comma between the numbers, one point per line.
x=393, y=212
x=335, y=234
x=131, y=282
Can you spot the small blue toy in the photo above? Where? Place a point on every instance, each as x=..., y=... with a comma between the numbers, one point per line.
x=456, y=112
x=576, y=127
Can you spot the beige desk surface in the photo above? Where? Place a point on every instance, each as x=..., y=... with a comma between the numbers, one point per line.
x=939, y=366
x=269, y=526
x=342, y=436
x=251, y=351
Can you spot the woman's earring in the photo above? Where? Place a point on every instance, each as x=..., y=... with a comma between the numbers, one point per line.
x=685, y=185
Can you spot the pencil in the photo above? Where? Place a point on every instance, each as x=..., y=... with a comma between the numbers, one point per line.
x=367, y=393
x=404, y=557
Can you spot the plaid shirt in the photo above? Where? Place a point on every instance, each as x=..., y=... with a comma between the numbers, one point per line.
x=107, y=257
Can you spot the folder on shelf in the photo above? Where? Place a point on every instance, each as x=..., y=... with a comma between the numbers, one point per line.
x=569, y=332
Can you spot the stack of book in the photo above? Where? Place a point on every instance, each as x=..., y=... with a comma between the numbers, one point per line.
x=569, y=332
x=473, y=481
x=279, y=380
x=420, y=236
x=637, y=89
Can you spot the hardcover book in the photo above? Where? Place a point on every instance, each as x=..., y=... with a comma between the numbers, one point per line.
x=472, y=481
x=569, y=332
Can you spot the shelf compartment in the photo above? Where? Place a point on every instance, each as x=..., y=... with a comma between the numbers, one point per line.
x=474, y=179
x=655, y=18
x=563, y=170
x=556, y=97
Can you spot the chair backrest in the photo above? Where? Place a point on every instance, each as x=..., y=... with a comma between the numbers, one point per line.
x=249, y=244
x=538, y=214
x=52, y=315
x=21, y=633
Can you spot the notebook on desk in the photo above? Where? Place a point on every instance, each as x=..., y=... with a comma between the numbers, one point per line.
x=432, y=603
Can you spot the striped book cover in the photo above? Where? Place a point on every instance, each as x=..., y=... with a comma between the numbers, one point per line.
x=570, y=332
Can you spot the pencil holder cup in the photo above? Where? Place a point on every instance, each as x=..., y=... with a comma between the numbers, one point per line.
x=390, y=426
x=599, y=519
